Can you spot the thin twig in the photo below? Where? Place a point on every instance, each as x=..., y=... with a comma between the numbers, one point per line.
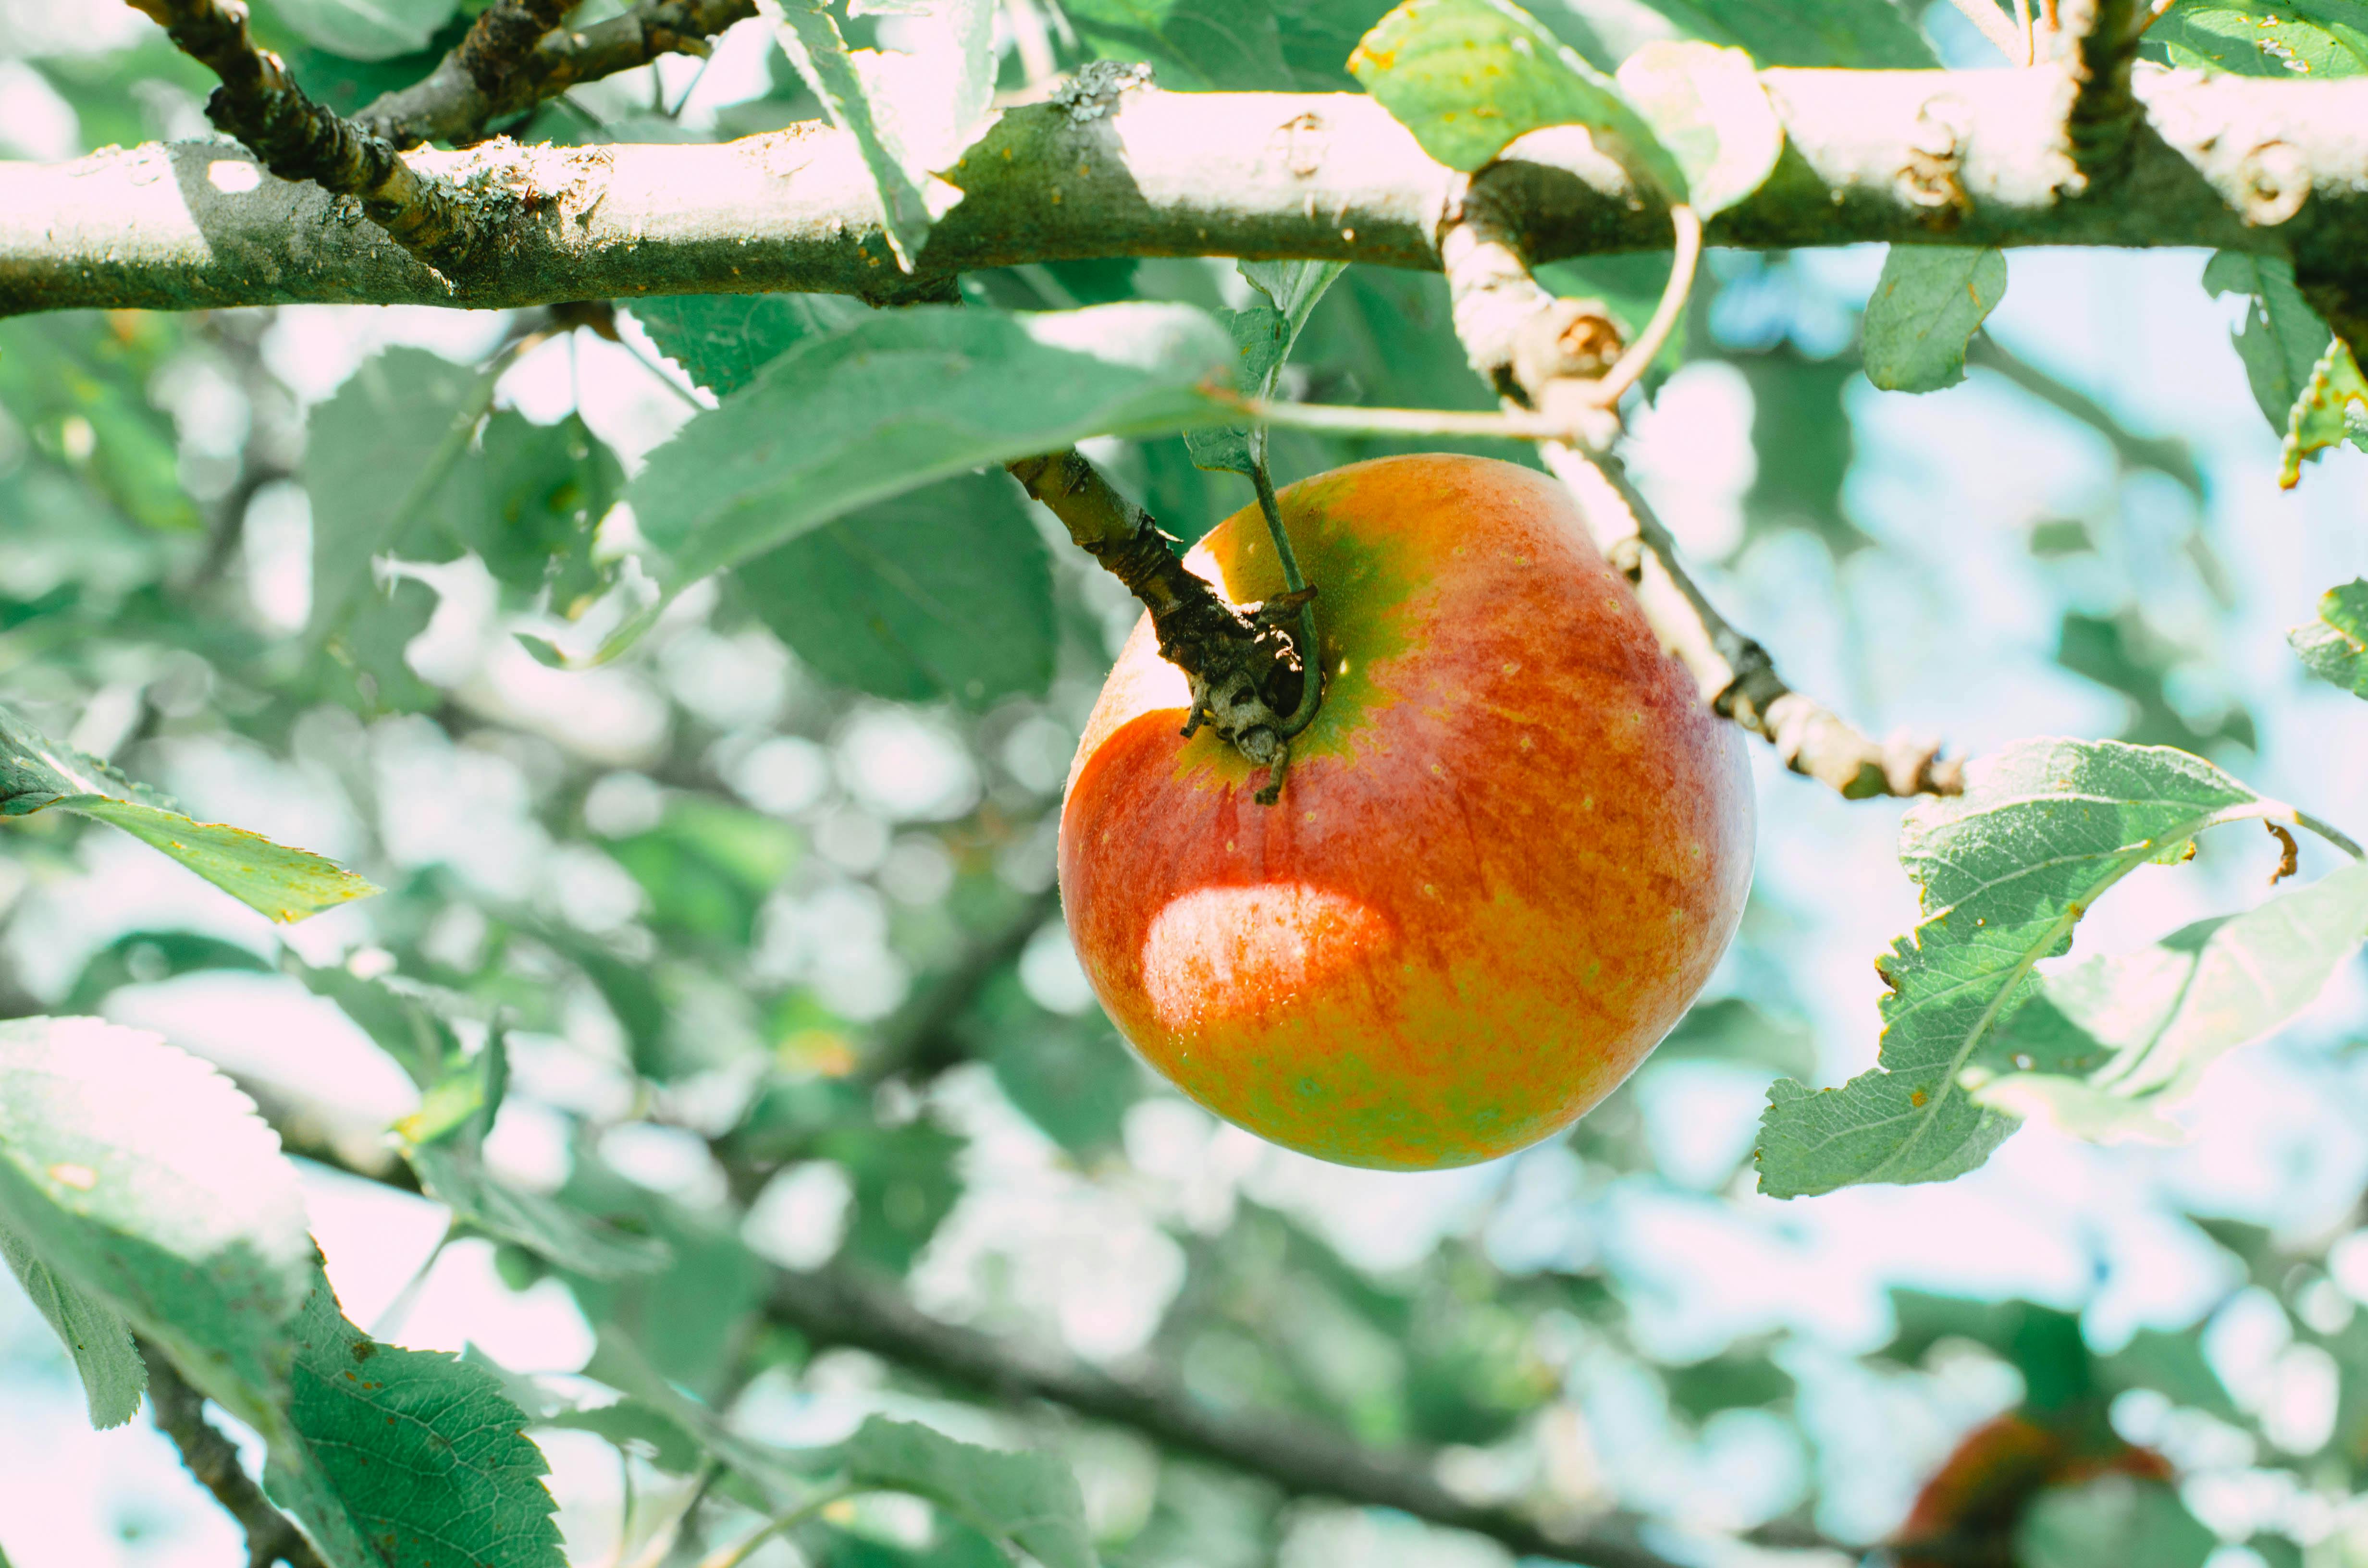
x=1993, y=25
x=1546, y=351
x=1337, y=419
x=180, y=1413
x=1735, y=673
x=452, y=104
x=838, y=1308
x=1311, y=685
x=260, y=104
x=781, y=1524
x=1632, y=365
x=2166, y=454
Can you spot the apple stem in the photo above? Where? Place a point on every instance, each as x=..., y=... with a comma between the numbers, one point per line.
x=1234, y=658
x=1311, y=658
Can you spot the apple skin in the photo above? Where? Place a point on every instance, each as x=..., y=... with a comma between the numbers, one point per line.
x=1508, y=853
x=1970, y=1507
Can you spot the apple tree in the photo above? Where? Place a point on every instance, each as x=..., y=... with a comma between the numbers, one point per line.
x=618, y=1087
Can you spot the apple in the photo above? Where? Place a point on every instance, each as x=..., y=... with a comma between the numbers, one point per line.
x=1968, y=1511
x=1506, y=854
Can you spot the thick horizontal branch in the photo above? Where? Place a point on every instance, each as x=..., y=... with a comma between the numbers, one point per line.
x=1949, y=157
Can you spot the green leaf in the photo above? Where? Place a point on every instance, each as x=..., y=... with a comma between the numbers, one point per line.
x=706, y=868
x=144, y=1179
x=2333, y=407
x=621, y=1363
x=1030, y=1500
x=901, y=399
x=367, y=668
x=462, y=1101
x=1227, y=46
x=2121, y=1038
x=418, y=1454
x=1707, y=107
x=1926, y=308
x=94, y=1335
x=2314, y=40
x=910, y=114
x=1070, y=1075
x=689, y=1321
x=375, y=456
x=2281, y=338
x=367, y=29
x=1802, y=432
x=1874, y=35
x=1263, y=336
x=527, y=500
x=722, y=340
x=1468, y=77
x=455, y=1177
x=2335, y=646
x=943, y=592
x=2114, y=1519
x=633, y=1427
x=904, y=1186
x=2128, y=656
x=287, y=884
x=2043, y=829
x=2171, y=1364
x=400, y=1017
x=79, y=381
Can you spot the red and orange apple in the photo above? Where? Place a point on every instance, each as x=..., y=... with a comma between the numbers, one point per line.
x=1508, y=852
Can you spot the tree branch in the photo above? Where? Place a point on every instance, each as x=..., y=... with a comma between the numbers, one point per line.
x=2166, y=454
x=1245, y=671
x=919, y=1038
x=1546, y=353
x=477, y=84
x=259, y=102
x=834, y=1307
x=1974, y=157
x=180, y=1414
x=2098, y=40
x=1734, y=673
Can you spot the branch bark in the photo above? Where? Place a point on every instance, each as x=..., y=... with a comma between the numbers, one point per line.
x=836, y=1307
x=479, y=83
x=1546, y=353
x=1975, y=157
x=1246, y=674
x=180, y=1413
